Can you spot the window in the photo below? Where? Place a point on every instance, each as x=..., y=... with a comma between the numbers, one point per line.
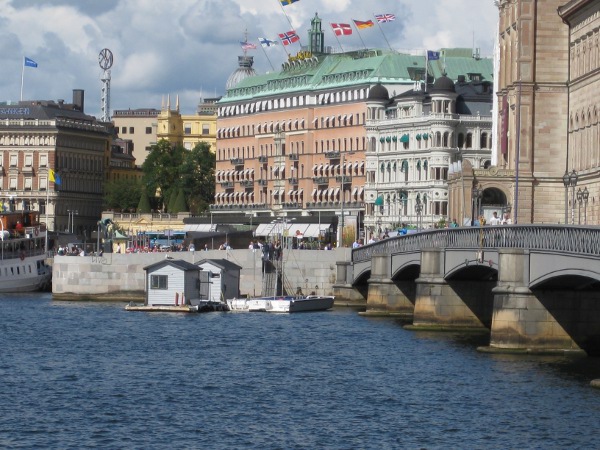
x=131, y=130
x=205, y=129
x=13, y=160
x=28, y=160
x=27, y=184
x=158, y=281
x=43, y=184
x=43, y=160
x=13, y=184
x=187, y=128
x=123, y=130
x=148, y=130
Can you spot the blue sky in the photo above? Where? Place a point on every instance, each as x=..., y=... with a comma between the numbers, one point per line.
x=189, y=47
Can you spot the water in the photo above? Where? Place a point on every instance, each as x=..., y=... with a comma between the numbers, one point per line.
x=78, y=375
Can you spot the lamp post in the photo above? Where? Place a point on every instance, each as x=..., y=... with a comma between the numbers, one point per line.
x=586, y=195
x=419, y=211
x=566, y=182
x=571, y=180
x=579, y=202
x=477, y=193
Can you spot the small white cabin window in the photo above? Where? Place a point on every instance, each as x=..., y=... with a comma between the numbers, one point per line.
x=158, y=281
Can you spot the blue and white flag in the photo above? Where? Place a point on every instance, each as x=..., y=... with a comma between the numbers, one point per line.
x=29, y=62
x=267, y=42
x=432, y=55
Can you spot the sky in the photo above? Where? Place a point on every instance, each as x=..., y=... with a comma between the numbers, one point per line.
x=190, y=47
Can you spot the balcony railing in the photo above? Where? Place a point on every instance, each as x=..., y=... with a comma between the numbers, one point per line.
x=237, y=161
x=246, y=183
x=294, y=156
x=345, y=179
x=321, y=180
x=262, y=182
x=293, y=180
x=227, y=184
x=263, y=159
x=332, y=155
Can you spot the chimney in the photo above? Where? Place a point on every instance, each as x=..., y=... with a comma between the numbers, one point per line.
x=78, y=99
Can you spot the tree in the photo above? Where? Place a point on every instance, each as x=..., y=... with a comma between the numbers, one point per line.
x=144, y=204
x=122, y=195
x=198, y=177
x=179, y=205
x=162, y=169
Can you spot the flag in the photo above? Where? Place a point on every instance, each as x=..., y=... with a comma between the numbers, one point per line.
x=247, y=45
x=432, y=55
x=267, y=42
x=289, y=37
x=288, y=2
x=382, y=18
x=52, y=176
x=341, y=29
x=360, y=24
x=29, y=62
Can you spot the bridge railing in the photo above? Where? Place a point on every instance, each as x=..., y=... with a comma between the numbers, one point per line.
x=559, y=238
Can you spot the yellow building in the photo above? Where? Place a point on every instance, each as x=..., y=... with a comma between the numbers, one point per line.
x=188, y=130
x=139, y=127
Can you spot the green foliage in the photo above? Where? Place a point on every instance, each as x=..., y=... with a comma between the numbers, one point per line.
x=122, y=195
x=179, y=204
x=144, y=204
x=171, y=169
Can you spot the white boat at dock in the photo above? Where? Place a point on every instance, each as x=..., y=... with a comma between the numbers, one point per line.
x=23, y=253
x=287, y=304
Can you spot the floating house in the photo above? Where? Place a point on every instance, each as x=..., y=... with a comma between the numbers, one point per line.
x=224, y=278
x=174, y=282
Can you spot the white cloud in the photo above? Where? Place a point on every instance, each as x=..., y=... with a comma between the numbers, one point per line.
x=189, y=47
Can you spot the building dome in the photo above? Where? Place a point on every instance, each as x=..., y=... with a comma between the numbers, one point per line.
x=378, y=92
x=243, y=71
x=444, y=83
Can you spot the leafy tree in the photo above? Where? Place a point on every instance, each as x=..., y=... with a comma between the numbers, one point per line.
x=173, y=168
x=179, y=204
x=122, y=195
x=198, y=177
x=144, y=204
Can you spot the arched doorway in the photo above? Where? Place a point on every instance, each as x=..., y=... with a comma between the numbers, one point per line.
x=493, y=200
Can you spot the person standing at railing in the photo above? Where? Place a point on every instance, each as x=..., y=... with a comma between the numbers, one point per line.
x=495, y=220
x=506, y=220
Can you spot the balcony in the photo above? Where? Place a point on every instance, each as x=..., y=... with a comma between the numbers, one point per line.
x=263, y=159
x=345, y=179
x=332, y=155
x=262, y=182
x=294, y=156
x=227, y=184
x=293, y=180
x=321, y=180
x=236, y=161
x=246, y=183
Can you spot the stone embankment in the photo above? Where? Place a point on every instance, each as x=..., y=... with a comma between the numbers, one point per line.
x=121, y=277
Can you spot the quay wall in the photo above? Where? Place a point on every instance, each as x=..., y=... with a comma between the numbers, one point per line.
x=121, y=277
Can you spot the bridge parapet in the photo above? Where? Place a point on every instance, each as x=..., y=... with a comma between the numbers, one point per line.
x=557, y=238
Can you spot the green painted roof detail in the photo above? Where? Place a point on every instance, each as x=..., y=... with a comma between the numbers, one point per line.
x=355, y=68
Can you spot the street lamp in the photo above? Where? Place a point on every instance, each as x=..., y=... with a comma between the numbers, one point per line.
x=570, y=180
x=419, y=211
x=582, y=197
x=477, y=193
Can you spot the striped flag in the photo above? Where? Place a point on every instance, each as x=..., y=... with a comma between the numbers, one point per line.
x=248, y=46
x=361, y=25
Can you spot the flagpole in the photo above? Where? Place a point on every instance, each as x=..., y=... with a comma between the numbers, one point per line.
x=358, y=32
x=289, y=21
x=268, y=59
x=381, y=29
x=426, y=68
x=22, y=76
x=338, y=41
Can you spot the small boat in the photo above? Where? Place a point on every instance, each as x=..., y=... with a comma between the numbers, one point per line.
x=23, y=253
x=287, y=304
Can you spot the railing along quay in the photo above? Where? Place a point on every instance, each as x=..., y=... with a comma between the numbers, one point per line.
x=559, y=238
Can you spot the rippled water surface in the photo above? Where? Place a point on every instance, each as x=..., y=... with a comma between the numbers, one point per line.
x=77, y=375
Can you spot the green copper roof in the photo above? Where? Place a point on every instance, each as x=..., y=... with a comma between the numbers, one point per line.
x=366, y=67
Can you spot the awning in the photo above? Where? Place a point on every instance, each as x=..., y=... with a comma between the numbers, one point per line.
x=296, y=229
x=314, y=230
x=200, y=227
x=336, y=193
x=314, y=194
x=379, y=201
x=290, y=192
x=275, y=192
x=264, y=229
x=404, y=138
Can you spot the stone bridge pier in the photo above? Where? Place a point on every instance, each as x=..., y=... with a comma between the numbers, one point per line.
x=448, y=304
x=386, y=296
x=539, y=320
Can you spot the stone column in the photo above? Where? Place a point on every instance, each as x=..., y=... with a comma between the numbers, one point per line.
x=387, y=297
x=345, y=294
x=521, y=321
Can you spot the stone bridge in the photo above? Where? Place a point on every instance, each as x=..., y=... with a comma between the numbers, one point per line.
x=535, y=287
